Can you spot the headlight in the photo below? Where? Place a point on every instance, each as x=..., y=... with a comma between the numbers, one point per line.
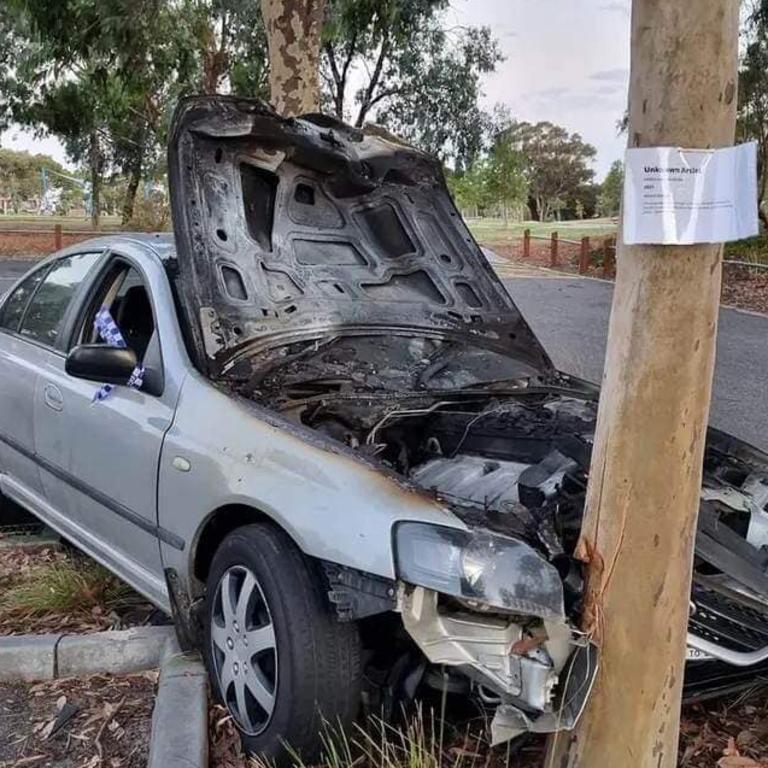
x=495, y=570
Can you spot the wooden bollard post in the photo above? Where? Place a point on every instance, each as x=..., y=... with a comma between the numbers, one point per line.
x=584, y=256
x=608, y=256
x=553, y=250
x=58, y=241
x=527, y=244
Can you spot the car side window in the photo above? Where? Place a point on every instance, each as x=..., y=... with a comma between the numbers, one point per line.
x=16, y=303
x=123, y=293
x=44, y=315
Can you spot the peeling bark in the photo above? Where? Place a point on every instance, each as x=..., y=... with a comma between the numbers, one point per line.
x=643, y=496
x=293, y=33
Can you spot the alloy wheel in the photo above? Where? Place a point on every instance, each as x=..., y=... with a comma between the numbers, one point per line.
x=244, y=649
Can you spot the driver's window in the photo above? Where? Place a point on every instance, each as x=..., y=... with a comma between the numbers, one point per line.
x=44, y=314
x=123, y=293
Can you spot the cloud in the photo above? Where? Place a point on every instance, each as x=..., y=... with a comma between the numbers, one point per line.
x=610, y=89
x=615, y=7
x=611, y=76
x=558, y=102
x=547, y=93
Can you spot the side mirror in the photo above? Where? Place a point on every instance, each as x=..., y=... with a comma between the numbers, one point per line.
x=101, y=363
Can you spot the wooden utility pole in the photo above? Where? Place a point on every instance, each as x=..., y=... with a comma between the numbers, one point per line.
x=293, y=34
x=642, y=502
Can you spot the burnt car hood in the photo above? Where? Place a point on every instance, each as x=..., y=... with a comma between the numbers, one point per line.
x=291, y=229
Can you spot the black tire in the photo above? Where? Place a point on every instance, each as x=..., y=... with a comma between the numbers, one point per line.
x=317, y=667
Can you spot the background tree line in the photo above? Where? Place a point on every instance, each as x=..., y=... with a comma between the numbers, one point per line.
x=103, y=77
x=536, y=171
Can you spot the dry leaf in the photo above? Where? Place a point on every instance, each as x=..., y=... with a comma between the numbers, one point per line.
x=46, y=732
x=745, y=738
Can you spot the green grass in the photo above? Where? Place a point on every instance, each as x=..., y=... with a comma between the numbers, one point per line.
x=64, y=586
x=420, y=741
x=754, y=250
x=494, y=231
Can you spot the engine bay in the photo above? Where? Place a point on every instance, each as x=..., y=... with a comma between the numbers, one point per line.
x=509, y=452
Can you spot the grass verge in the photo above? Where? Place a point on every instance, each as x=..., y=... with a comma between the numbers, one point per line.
x=46, y=589
x=67, y=585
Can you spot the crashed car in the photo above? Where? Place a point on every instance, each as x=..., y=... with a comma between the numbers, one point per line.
x=314, y=428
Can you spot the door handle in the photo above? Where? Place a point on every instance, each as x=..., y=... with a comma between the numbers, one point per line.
x=53, y=397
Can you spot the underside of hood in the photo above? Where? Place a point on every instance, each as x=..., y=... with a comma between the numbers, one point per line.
x=291, y=229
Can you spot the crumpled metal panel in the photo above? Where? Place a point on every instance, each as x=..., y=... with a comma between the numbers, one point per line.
x=543, y=690
x=362, y=235
x=578, y=676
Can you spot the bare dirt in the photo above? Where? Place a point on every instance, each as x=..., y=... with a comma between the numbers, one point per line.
x=101, y=720
x=33, y=245
x=745, y=288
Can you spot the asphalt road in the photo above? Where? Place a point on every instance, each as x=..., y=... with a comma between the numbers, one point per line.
x=570, y=316
x=10, y=271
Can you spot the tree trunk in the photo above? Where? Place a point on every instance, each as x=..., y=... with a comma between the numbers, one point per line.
x=134, y=177
x=130, y=194
x=96, y=162
x=762, y=171
x=643, y=497
x=293, y=33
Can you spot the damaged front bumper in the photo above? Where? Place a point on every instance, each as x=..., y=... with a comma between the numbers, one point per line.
x=493, y=608
x=540, y=682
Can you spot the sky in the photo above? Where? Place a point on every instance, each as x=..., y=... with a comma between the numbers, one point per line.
x=566, y=61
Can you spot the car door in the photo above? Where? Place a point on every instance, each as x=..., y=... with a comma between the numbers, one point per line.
x=32, y=318
x=101, y=455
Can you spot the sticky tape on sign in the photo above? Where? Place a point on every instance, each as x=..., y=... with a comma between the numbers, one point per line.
x=678, y=196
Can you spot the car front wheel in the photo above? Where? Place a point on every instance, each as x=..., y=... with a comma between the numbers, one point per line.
x=279, y=659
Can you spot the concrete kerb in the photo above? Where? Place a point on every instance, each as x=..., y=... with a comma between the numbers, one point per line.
x=180, y=718
x=46, y=657
x=28, y=657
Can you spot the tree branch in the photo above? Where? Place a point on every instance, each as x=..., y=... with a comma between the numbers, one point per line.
x=338, y=80
x=384, y=94
x=350, y=56
x=366, y=103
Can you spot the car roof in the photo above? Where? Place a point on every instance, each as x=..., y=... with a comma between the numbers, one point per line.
x=152, y=245
x=162, y=243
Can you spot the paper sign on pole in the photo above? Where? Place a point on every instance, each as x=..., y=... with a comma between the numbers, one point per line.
x=684, y=196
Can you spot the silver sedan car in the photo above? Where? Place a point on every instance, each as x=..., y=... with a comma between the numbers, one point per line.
x=314, y=428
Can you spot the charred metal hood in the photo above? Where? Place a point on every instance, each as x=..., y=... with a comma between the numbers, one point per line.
x=291, y=229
